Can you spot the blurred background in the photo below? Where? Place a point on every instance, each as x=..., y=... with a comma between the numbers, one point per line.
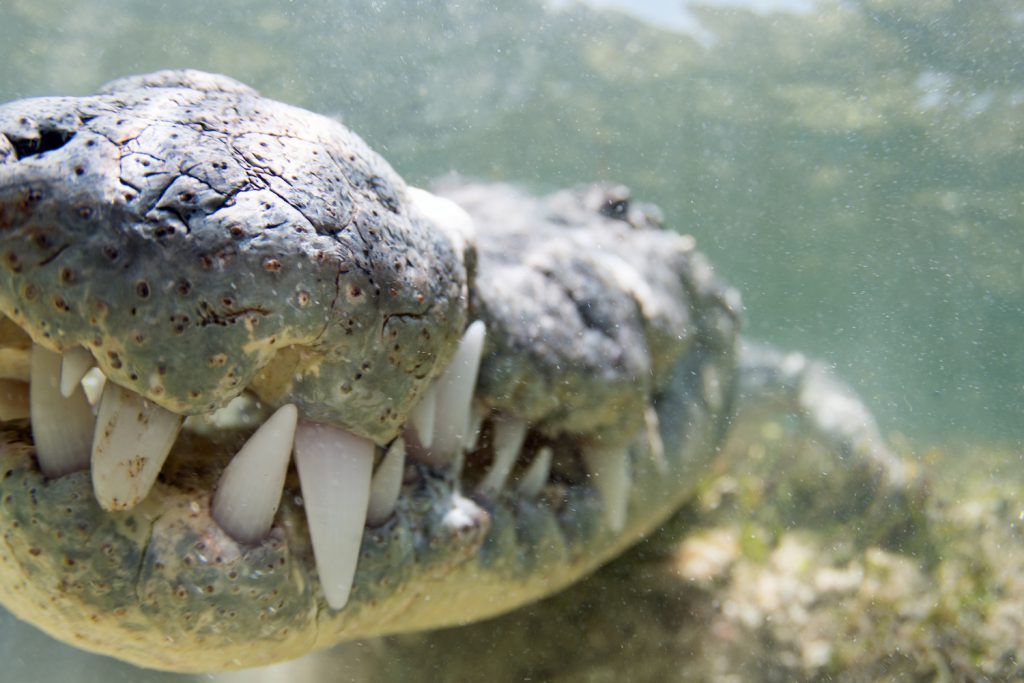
x=855, y=167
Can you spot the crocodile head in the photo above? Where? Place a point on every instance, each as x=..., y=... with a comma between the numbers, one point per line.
x=259, y=396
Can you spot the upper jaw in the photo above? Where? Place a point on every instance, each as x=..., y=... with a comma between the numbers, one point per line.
x=135, y=224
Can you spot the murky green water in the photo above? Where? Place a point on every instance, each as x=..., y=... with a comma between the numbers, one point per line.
x=856, y=167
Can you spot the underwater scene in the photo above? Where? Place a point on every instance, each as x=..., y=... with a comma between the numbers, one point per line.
x=854, y=168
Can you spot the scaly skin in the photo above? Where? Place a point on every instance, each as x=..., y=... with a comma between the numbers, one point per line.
x=271, y=243
x=201, y=241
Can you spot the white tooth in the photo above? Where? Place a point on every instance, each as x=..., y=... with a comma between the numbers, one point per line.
x=93, y=383
x=654, y=442
x=477, y=413
x=537, y=474
x=132, y=440
x=244, y=411
x=509, y=434
x=386, y=484
x=73, y=366
x=14, y=400
x=609, y=472
x=423, y=416
x=251, y=485
x=334, y=472
x=61, y=427
x=455, y=392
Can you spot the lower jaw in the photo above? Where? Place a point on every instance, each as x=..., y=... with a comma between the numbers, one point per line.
x=163, y=586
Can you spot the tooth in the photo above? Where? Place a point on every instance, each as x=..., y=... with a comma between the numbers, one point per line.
x=14, y=400
x=455, y=392
x=609, y=472
x=423, y=416
x=74, y=364
x=251, y=485
x=132, y=440
x=92, y=384
x=61, y=427
x=334, y=472
x=654, y=443
x=537, y=474
x=477, y=413
x=386, y=484
x=242, y=412
x=508, y=436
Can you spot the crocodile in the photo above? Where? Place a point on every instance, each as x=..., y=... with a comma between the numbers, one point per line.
x=260, y=396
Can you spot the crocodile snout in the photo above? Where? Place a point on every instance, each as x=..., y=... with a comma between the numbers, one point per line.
x=142, y=221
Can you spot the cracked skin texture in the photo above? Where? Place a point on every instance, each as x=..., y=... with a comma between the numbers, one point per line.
x=176, y=211
x=162, y=585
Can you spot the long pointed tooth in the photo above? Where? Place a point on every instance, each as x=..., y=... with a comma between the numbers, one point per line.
x=386, y=484
x=132, y=440
x=477, y=413
x=73, y=366
x=609, y=472
x=423, y=416
x=455, y=392
x=655, y=445
x=250, y=487
x=62, y=427
x=509, y=434
x=334, y=471
x=537, y=474
x=14, y=400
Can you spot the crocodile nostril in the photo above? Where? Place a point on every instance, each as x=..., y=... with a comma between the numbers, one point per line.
x=46, y=141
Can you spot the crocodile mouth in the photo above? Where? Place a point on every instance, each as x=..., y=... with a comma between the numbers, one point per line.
x=81, y=421
x=255, y=535
x=345, y=483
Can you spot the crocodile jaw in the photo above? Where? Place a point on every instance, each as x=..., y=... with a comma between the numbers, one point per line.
x=164, y=586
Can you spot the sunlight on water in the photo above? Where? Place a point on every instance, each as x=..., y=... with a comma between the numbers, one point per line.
x=678, y=16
